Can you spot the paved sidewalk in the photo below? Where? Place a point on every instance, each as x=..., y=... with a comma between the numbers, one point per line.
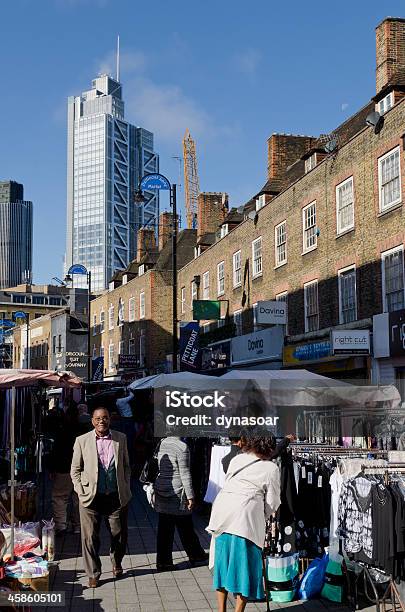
x=142, y=589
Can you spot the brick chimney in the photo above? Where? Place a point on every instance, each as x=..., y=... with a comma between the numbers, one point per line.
x=284, y=150
x=390, y=50
x=212, y=208
x=166, y=227
x=146, y=242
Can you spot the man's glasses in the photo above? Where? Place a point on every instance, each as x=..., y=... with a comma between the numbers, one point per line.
x=99, y=419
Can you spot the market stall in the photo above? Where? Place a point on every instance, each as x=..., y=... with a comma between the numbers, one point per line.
x=10, y=382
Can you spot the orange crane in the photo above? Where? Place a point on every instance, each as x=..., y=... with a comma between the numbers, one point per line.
x=191, y=182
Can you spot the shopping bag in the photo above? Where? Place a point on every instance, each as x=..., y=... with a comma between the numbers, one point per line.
x=334, y=579
x=150, y=470
x=313, y=580
x=282, y=577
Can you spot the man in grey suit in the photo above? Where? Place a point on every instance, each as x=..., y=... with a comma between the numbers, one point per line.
x=101, y=477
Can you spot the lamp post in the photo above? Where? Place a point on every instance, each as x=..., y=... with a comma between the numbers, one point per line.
x=159, y=181
x=79, y=269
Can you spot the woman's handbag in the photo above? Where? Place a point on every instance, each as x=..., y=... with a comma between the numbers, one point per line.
x=151, y=468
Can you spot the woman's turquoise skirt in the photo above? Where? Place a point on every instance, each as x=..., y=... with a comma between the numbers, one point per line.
x=238, y=566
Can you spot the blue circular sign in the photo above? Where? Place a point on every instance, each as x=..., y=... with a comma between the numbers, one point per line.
x=20, y=314
x=154, y=181
x=77, y=269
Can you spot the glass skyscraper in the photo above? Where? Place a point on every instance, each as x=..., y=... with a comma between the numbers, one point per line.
x=106, y=159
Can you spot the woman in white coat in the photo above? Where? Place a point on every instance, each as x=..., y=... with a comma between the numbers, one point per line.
x=250, y=495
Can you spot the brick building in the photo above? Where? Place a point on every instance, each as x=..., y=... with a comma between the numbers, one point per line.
x=132, y=321
x=325, y=233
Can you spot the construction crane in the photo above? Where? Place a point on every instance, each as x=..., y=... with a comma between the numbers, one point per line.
x=191, y=182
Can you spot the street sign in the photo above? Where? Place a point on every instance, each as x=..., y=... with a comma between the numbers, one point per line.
x=20, y=314
x=206, y=310
x=154, y=181
x=77, y=269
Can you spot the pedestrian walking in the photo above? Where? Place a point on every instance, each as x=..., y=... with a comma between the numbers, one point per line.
x=101, y=477
x=250, y=495
x=174, y=502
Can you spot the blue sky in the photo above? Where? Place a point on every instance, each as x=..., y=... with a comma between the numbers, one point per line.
x=232, y=73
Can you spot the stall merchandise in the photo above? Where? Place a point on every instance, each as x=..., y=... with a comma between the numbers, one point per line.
x=13, y=381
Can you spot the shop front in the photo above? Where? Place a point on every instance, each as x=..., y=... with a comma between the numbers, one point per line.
x=344, y=355
x=389, y=349
x=262, y=350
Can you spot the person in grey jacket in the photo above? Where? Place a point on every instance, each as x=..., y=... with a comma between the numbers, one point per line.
x=174, y=502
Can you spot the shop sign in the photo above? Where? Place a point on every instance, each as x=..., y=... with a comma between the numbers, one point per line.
x=97, y=368
x=128, y=362
x=271, y=312
x=311, y=351
x=259, y=346
x=389, y=334
x=206, y=310
x=351, y=342
x=397, y=333
x=190, y=353
x=75, y=360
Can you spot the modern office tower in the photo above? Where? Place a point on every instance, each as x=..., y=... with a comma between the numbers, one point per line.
x=106, y=158
x=15, y=235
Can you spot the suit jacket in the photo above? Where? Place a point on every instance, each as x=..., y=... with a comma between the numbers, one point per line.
x=84, y=469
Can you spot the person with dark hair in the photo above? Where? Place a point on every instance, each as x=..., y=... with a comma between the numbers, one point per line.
x=236, y=448
x=250, y=495
x=101, y=476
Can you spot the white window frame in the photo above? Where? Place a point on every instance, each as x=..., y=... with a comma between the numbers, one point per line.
x=121, y=312
x=102, y=321
x=102, y=351
x=283, y=297
x=131, y=309
x=94, y=352
x=238, y=321
x=221, y=321
x=398, y=200
x=278, y=244
x=221, y=278
x=206, y=285
x=309, y=231
x=121, y=347
x=111, y=356
x=142, y=308
x=341, y=274
x=131, y=346
x=237, y=271
x=310, y=163
x=384, y=255
x=306, y=314
x=141, y=270
x=260, y=201
x=385, y=104
x=194, y=292
x=142, y=349
x=341, y=229
x=183, y=300
x=224, y=230
x=111, y=317
x=257, y=261
x=94, y=325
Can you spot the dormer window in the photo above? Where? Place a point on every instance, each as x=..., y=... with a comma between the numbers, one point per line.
x=385, y=104
x=111, y=286
x=197, y=251
x=260, y=201
x=310, y=163
x=141, y=270
x=125, y=279
x=224, y=230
